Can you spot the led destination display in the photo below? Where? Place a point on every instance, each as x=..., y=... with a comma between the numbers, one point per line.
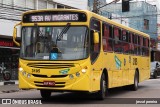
x=55, y=17
x=50, y=18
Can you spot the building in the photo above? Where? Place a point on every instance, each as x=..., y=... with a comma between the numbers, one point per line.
x=79, y=4
x=141, y=16
x=10, y=14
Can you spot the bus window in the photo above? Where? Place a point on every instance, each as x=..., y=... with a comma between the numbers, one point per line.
x=135, y=39
x=117, y=42
x=95, y=24
x=95, y=48
x=107, y=38
x=144, y=42
x=129, y=37
x=126, y=47
x=139, y=40
x=135, y=49
x=133, y=36
x=124, y=36
x=110, y=45
x=105, y=31
x=111, y=32
x=139, y=50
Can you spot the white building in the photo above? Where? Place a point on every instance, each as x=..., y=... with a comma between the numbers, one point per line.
x=80, y=4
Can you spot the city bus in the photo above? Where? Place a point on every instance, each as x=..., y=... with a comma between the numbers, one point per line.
x=79, y=51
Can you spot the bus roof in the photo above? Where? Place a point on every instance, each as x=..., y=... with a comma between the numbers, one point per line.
x=91, y=14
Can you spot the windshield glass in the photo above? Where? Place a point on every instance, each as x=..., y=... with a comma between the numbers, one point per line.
x=50, y=43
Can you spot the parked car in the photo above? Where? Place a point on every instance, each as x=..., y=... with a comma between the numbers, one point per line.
x=155, y=69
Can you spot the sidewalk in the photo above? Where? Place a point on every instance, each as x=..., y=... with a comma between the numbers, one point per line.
x=9, y=86
x=8, y=82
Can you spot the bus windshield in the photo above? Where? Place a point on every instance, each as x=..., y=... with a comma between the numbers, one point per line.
x=38, y=42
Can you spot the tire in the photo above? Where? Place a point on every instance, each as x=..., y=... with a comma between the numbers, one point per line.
x=6, y=76
x=134, y=86
x=101, y=94
x=46, y=94
x=155, y=75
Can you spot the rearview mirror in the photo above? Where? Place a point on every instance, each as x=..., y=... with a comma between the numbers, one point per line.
x=15, y=34
x=96, y=37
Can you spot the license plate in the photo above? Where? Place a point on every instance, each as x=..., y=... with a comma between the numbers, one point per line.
x=49, y=83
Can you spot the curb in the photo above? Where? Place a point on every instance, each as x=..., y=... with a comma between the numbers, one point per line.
x=8, y=82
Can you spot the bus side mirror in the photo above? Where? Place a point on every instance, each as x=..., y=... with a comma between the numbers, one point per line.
x=15, y=34
x=96, y=37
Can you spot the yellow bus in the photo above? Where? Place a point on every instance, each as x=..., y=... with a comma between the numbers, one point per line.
x=77, y=50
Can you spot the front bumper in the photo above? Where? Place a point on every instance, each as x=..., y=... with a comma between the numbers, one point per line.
x=81, y=83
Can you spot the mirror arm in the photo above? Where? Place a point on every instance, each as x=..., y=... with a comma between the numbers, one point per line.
x=14, y=36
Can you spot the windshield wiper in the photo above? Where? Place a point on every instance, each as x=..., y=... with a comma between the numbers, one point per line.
x=64, y=30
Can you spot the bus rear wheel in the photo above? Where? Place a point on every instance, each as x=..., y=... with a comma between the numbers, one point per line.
x=45, y=94
x=134, y=86
x=101, y=94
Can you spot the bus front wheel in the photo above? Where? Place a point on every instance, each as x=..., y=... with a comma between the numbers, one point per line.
x=45, y=94
x=101, y=94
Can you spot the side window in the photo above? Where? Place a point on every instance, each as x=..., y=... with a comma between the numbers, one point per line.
x=94, y=48
x=107, y=37
x=124, y=35
x=105, y=31
x=129, y=37
x=117, y=40
x=145, y=49
x=139, y=49
x=135, y=45
x=132, y=43
x=147, y=46
x=125, y=46
x=111, y=31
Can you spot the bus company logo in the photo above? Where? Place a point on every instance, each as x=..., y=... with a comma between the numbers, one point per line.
x=65, y=71
x=118, y=62
x=20, y=101
x=6, y=101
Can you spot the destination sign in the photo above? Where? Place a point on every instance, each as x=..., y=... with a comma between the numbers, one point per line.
x=45, y=18
x=55, y=17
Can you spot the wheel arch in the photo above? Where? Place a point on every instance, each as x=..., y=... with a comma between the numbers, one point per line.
x=105, y=71
x=137, y=71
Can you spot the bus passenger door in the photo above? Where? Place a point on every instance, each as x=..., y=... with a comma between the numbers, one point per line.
x=95, y=55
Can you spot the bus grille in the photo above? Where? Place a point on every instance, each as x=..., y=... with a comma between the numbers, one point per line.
x=57, y=84
x=52, y=76
x=51, y=65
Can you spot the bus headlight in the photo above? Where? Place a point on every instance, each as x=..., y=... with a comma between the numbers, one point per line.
x=77, y=74
x=24, y=73
x=28, y=75
x=20, y=69
x=84, y=70
x=71, y=76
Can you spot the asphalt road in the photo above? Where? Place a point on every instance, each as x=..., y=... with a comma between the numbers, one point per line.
x=148, y=92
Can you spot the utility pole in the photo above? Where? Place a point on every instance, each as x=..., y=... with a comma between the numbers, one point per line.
x=95, y=6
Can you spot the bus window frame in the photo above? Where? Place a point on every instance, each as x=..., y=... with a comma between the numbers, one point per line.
x=93, y=60
x=59, y=26
x=108, y=38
